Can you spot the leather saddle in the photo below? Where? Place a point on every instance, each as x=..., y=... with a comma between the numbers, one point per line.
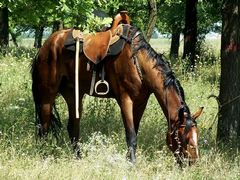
x=96, y=46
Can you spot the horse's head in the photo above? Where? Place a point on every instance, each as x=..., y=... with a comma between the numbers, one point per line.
x=183, y=140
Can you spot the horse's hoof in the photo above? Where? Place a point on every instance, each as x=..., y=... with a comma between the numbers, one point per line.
x=131, y=156
x=78, y=153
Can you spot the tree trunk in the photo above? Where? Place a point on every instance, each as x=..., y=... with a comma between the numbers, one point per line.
x=57, y=25
x=152, y=19
x=190, y=32
x=14, y=37
x=38, y=36
x=229, y=97
x=175, y=42
x=4, y=27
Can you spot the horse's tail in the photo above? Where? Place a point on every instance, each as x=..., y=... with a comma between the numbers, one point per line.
x=34, y=91
x=55, y=125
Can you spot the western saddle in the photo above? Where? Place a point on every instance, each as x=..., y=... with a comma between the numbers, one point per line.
x=96, y=46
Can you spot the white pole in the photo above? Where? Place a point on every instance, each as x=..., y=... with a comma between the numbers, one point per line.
x=76, y=78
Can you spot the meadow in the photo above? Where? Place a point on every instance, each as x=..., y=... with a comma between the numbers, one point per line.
x=103, y=144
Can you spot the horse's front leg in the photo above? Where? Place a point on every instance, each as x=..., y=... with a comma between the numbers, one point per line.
x=74, y=127
x=126, y=105
x=73, y=122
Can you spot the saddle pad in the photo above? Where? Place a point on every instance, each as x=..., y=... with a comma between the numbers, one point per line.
x=95, y=46
x=70, y=43
x=117, y=42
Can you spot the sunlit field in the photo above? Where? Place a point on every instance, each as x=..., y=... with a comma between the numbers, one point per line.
x=103, y=144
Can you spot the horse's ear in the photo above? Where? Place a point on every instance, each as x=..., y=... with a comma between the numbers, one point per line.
x=197, y=114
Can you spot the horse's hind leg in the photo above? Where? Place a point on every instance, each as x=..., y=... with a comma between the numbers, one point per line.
x=44, y=109
x=73, y=123
x=44, y=97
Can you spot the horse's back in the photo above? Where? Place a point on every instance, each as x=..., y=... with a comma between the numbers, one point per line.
x=54, y=44
x=46, y=71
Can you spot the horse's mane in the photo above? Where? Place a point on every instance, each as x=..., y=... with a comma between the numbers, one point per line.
x=161, y=64
x=170, y=79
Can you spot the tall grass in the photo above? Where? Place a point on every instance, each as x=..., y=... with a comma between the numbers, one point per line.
x=102, y=134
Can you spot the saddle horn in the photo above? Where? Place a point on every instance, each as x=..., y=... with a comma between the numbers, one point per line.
x=123, y=17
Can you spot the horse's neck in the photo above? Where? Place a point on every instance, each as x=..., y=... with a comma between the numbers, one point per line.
x=168, y=97
x=173, y=102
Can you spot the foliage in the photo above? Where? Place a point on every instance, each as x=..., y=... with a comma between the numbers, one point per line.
x=171, y=15
x=96, y=23
x=137, y=10
x=46, y=12
x=209, y=17
x=26, y=15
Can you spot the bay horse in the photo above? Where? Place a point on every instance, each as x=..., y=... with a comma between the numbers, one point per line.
x=133, y=75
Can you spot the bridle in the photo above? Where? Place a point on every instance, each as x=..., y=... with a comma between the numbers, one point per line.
x=174, y=130
x=180, y=151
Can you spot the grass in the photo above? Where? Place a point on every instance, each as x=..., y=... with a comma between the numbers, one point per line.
x=102, y=134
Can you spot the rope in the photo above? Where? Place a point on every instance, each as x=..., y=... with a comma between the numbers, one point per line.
x=232, y=100
x=220, y=106
x=224, y=104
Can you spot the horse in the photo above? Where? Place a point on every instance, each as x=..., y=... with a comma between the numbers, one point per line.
x=133, y=74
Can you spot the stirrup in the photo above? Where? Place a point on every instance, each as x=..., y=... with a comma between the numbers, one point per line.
x=101, y=82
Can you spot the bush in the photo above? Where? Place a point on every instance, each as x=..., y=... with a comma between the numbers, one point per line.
x=18, y=53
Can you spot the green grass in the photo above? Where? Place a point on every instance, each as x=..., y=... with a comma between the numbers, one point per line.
x=102, y=134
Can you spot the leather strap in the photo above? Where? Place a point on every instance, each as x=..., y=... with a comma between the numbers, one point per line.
x=93, y=81
x=77, y=78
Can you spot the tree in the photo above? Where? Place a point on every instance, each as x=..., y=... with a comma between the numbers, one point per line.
x=37, y=15
x=152, y=18
x=190, y=32
x=171, y=21
x=229, y=97
x=4, y=26
x=140, y=12
x=209, y=17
